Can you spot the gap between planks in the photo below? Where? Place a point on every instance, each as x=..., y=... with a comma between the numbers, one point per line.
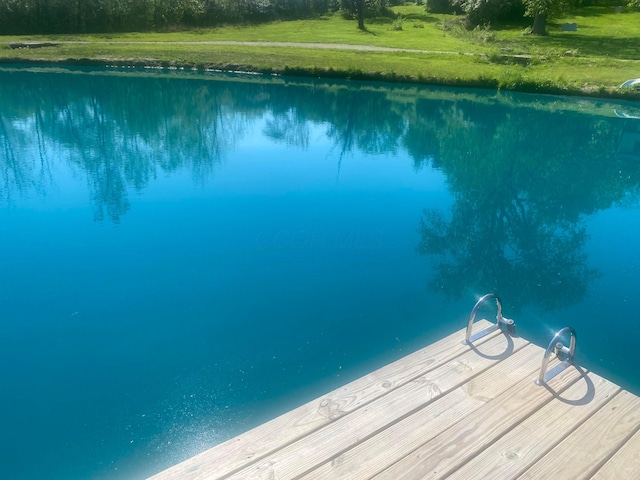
x=446, y=411
x=239, y=452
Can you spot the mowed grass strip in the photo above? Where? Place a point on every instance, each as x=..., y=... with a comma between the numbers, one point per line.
x=604, y=52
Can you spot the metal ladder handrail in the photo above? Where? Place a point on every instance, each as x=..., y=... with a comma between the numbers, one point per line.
x=500, y=320
x=558, y=347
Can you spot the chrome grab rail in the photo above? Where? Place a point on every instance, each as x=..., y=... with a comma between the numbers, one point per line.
x=500, y=320
x=559, y=348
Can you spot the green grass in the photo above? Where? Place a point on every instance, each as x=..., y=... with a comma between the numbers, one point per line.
x=604, y=52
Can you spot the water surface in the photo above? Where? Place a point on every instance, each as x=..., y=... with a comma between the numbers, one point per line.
x=185, y=256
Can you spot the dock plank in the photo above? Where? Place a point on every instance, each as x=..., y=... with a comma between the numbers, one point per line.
x=445, y=452
x=302, y=456
x=625, y=463
x=527, y=443
x=583, y=452
x=449, y=410
x=236, y=453
x=373, y=455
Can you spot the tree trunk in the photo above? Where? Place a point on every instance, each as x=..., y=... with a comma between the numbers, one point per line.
x=360, y=7
x=539, y=25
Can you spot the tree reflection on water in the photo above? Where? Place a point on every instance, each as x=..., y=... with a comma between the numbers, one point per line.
x=523, y=178
x=523, y=183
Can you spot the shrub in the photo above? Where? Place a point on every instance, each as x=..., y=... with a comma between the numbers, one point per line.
x=442, y=6
x=485, y=12
x=397, y=23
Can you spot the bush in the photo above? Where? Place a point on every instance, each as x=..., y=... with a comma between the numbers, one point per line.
x=485, y=12
x=397, y=23
x=458, y=27
x=442, y=6
x=480, y=12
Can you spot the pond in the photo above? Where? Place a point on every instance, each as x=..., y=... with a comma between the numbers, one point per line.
x=184, y=256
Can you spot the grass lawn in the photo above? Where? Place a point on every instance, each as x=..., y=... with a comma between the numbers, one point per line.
x=595, y=60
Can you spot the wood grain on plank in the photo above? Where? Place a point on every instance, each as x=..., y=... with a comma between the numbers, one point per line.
x=450, y=449
x=583, y=452
x=312, y=450
x=245, y=449
x=402, y=437
x=625, y=463
x=519, y=448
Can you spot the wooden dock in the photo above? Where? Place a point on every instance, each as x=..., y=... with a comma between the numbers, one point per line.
x=447, y=411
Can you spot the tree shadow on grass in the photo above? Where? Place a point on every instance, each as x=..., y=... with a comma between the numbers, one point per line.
x=418, y=17
x=622, y=48
x=323, y=17
x=516, y=24
x=413, y=17
x=602, y=10
x=380, y=20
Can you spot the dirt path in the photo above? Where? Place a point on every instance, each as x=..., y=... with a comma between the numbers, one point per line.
x=326, y=46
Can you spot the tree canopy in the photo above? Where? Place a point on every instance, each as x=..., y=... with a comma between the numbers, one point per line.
x=89, y=16
x=18, y=17
x=85, y=16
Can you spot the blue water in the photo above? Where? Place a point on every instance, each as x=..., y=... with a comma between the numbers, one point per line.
x=185, y=256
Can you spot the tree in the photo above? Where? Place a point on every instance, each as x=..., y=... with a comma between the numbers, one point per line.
x=541, y=11
x=359, y=9
x=360, y=12
x=355, y=8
